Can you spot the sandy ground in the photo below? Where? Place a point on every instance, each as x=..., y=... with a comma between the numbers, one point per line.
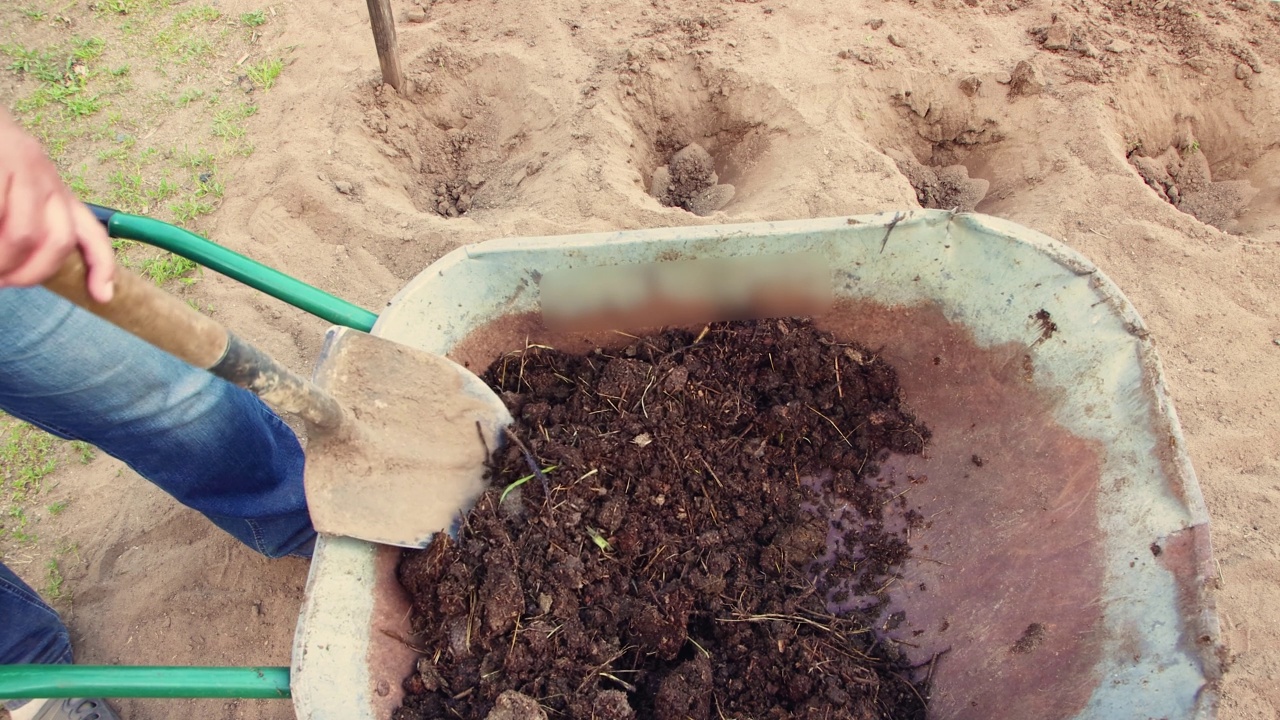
x=546, y=118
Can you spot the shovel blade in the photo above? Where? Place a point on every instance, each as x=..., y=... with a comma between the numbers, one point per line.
x=410, y=460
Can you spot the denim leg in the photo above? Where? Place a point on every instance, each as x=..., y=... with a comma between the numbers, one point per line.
x=213, y=446
x=33, y=633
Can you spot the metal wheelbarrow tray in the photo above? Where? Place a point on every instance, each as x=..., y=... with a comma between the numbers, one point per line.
x=1065, y=568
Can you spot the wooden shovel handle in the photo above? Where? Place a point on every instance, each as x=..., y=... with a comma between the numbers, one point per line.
x=166, y=322
x=148, y=312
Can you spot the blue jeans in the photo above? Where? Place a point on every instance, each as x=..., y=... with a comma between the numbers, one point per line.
x=213, y=446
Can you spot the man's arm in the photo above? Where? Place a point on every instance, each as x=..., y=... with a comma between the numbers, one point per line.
x=41, y=222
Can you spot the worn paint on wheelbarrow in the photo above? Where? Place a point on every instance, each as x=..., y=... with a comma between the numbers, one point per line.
x=1065, y=566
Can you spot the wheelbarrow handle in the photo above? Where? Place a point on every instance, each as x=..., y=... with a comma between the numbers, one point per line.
x=234, y=265
x=110, y=681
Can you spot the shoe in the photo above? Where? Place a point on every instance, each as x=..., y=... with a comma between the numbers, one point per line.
x=76, y=709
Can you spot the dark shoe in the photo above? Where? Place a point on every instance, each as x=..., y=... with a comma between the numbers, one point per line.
x=76, y=709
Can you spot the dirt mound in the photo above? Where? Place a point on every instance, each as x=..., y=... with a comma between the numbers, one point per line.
x=943, y=188
x=697, y=506
x=690, y=181
x=1182, y=178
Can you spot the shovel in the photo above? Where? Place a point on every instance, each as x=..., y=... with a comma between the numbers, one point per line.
x=397, y=438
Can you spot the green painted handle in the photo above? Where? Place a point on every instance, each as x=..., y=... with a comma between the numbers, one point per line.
x=110, y=681
x=235, y=266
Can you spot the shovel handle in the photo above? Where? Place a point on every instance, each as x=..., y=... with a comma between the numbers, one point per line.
x=171, y=325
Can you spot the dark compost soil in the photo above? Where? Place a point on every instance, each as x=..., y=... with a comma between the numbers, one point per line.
x=707, y=512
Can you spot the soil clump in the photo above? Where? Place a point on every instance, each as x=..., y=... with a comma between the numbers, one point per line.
x=690, y=181
x=941, y=188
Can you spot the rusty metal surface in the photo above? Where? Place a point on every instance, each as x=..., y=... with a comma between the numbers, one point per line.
x=1012, y=539
x=410, y=454
x=1063, y=571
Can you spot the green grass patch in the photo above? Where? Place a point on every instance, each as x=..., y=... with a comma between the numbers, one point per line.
x=53, y=588
x=87, y=49
x=190, y=96
x=196, y=159
x=198, y=14
x=188, y=36
x=163, y=190
x=39, y=63
x=127, y=191
x=228, y=123
x=77, y=183
x=167, y=267
x=257, y=18
x=96, y=88
x=115, y=154
x=26, y=457
x=265, y=73
x=62, y=76
x=189, y=209
x=130, y=7
x=15, y=525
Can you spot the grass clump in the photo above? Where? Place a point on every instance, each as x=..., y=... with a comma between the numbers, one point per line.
x=28, y=457
x=264, y=74
x=254, y=19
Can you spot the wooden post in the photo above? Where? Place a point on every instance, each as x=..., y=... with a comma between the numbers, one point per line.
x=384, y=36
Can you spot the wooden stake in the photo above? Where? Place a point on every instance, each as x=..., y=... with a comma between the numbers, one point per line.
x=384, y=36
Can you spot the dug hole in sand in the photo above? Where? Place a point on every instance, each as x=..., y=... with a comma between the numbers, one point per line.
x=1077, y=120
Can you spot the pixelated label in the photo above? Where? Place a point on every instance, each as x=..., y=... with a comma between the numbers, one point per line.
x=683, y=292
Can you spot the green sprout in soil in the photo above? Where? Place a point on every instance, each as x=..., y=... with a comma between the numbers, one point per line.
x=507, y=490
x=599, y=540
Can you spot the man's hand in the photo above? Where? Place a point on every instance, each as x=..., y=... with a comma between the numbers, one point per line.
x=41, y=222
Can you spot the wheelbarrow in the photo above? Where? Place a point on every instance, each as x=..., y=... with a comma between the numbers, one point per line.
x=1065, y=568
